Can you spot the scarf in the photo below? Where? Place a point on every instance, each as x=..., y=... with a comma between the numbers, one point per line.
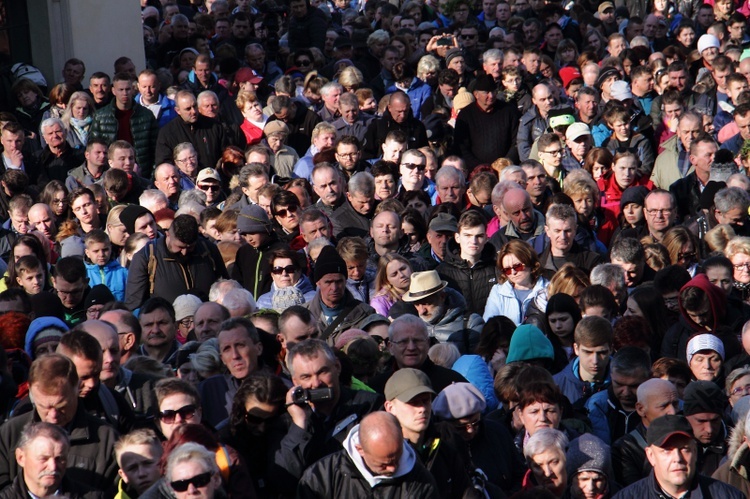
x=81, y=127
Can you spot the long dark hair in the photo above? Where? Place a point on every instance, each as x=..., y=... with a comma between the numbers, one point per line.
x=263, y=387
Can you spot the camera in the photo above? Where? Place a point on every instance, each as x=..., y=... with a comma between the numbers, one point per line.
x=301, y=396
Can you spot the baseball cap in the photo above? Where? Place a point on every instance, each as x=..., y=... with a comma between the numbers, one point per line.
x=208, y=173
x=444, y=222
x=407, y=383
x=605, y=6
x=662, y=429
x=247, y=74
x=576, y=130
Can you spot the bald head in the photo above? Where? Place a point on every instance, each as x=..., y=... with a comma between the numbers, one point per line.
x=656, y=398
x=519, y=210
x=42, y=219
x=379, y=427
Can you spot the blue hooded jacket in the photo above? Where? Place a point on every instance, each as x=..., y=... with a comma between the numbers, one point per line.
x=476, y=372
x=113, y=275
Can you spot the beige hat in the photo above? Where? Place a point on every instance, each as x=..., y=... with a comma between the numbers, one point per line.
x=275, y=126
x=462, y=99
x=423, y=284
x=576, y=130
x=208, y=173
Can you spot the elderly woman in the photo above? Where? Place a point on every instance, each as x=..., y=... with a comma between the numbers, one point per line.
x=589, y=466
x=462, y=404
x=77, y=119
x=545, y=454
x=520, y=282
x=186, y=159
x=252, y=110
x=284, y=157
x=738, y=384
x=705, y=356
x=738, y=252
x=290, y=286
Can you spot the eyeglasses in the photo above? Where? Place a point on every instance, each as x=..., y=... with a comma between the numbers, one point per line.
x=687, y=256
x=518, y=267
x=411, y=166
x=405, y=342
x=289, y=269
x=286, y=212
x=186, y=413
x=303, y=62
x=556, y=152
x=741, y=390
x=467, y=426
x=198, y=481
x=741, y=266
x=208, y=187
x=187, y=322
x=192, y=159
x=349, y=155
x=59, y=201
x=663, y=212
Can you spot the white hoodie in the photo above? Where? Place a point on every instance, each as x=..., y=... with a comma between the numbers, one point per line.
x=405, y=464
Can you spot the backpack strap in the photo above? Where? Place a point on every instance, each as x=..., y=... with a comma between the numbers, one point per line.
x=639, y=438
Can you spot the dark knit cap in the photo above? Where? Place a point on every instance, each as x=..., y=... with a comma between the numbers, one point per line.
x=99, y=295
x=130, y=214
x=485, y=83
x=253, y=220
x=703, y=397
x=329, y=262
x=606, y=74
x=709, y=192
x=635, y=194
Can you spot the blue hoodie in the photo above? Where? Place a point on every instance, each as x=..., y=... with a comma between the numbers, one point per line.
x=112, y=275
x=39, y=324
x=476, y=372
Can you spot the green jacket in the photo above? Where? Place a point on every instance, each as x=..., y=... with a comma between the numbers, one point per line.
x=144, y=128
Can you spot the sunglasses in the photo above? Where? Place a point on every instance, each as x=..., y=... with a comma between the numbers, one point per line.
x=198, y=481
x=289, y=269
x=185, y=413
x=208, y=187
x=411, y=166
x=519, y=267
x=468, y=37
x=285, y=213
x=304, y=62
x=254, y=420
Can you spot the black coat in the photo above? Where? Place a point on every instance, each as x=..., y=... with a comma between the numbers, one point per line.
x=349, y=222
x=702, y=487
x=68, y=488
x=300, y=128
x=687, y=193
x=482, y=137
x=206, y=135
x=440, y=377
x=309, y=31
x=474, y=283
x=251, y=266
x=47, y=166
x=173, y=275
x=629, y=457
x=379, y=128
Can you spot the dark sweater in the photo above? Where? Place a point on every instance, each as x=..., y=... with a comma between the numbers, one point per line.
x=482, y=137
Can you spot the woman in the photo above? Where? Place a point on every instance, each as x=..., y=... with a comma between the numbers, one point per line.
x=545, y=454
x=290, y=286
x=738, y=384
x=647, y=302
x=495, y=341
x=229, y=165
x=625, y=173
x=738, y=252
x=55, y=195
x=598, y=162
x=540, y=406
x=566, y=54
x=520, y=279
x=351, y=79
x=631, y=210
x=685, y=37
x=596, y=43
x=418, y=200
x=252, y=110
x=563, y=315
x=285, y=207
x=683, y=248
x=254, y=421
x=391, y=282
x=705, y=356
x=569, y=280
x=77, y=119
x=595, y=224
x=115, y=229
x=186, y=159
x=25, y=245
x=414, y=226
x=133, y=244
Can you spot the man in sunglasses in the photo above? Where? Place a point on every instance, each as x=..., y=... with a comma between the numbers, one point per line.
x=192, y=472
x=209, y=182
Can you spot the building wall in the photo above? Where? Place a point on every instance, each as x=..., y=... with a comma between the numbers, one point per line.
x=95, y=31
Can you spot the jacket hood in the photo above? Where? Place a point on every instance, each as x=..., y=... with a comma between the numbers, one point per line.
x=455, y=306
x=38, y=325
x=588, y=453
x=453, y=255
x=527, y=343
x=405, y=464
x=716, y=298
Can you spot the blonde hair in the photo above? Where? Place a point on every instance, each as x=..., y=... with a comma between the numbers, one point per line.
x=717, y=238
x=382, y=285
x=569, y=279
x=143, y=436
x=736, y=246
x=243, y=97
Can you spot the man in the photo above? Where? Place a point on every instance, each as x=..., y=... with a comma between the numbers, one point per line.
x=374, y=455
x=187, y=468
x=398, y=116
x=440, y=230
x=579, y=142
x=53, y=388
x=42, y=219
x=655, y=398
x=201, y=78
x=450, y=184
x=171, y=265
x=149, y=96
x=86, y=211
x=385, y=78
x=206, y=135
x=673, y=453
x=252, y=178
x=537, y=185
x=73, y=72
x=675, y=162
x=296, y=324
x=314, y=224
x=300, y=120
x=207, y=320
x=613, y=411
x=447, y=88
x=255, y=57
x=318, y=428
x=58, y=157
x=412, y=169
x=687, y=190
x=627, y=253
x=128, y=332
x=330, y=93
x=469, y=265
x=486, y=129
x=551, y=153
x=524, y=222
x=307, y=26
x=741, y=116
x=387, y=236
x=329, y=186
x=660, y=213
x=442, y=309
x=122, y=119
x=351, y=121
x=408, y=395
x=587, y=105
x=642, y=87
x=167, y=180
x=13, y=140
x=557, y=245
x=93, y=167
x=334, y=306
x=100, y=87
x=353, y=217
x=589, y=373
x=239, y=349
x=159, y=330
x=70, y=280
x=704, y=404
x=349, y=156
x=323, y=138
x=534, y=123
x=42, y=455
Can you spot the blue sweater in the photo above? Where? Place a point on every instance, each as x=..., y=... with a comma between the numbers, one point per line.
x=112, y=275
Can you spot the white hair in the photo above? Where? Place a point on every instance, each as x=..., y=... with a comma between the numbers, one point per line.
x=151, y=199
x=239, y=299
x=544, y=440
x=220, y=288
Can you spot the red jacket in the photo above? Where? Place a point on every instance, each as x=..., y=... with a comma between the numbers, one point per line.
x=612, y=193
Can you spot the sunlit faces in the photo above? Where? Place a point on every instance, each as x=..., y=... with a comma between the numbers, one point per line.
x=706, y=365
x=139, y=465
x=239, y=352
x=98, y=252
x=538, y=415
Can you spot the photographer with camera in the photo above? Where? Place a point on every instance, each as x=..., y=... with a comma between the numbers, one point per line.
x=321, y=411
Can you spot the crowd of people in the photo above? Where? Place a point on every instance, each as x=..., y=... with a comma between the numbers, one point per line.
x=344, y=249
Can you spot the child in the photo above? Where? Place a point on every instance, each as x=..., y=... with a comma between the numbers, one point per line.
x=623, y=139
x=361, y=278
x=138, y=454
x=226, y=227
x=30, y=274
x=625, y=173
x=101, y=267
